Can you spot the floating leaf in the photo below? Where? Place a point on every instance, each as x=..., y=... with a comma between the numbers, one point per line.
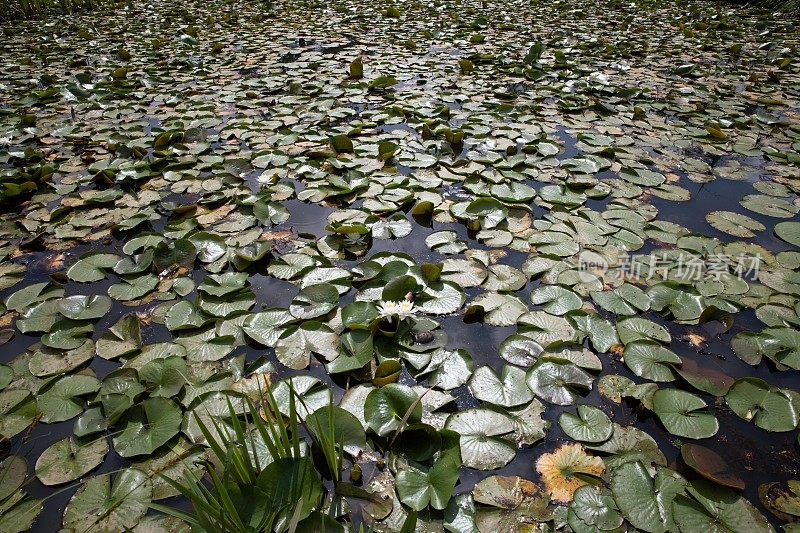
x=634, y=329
x=770, y=408
x=520, y=350
x=81, y=307
x=562, y=470
x=419, y=487
x=717, y=508
x=500, y=309
x=789, y=232
x=61, y=400
x=646, y=502
x=105, y=505
x=296, y=344
x=68, y=460
x=734, y=224
x=449, y=369
x=710, y=465
x=769, y=206
x=314, y=301
x=650, y=360
x=556, y=300
x=558, y=383
x=508, y=390
x=91, y=267
x=482, y=444
x=681, y=413
x=390, y=407
x=147, y=426
x=593, y=506
x=13, y=470
x=589, y=425
x=123, y=338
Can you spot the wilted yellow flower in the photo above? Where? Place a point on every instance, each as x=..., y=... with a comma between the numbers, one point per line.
x=695, y=339
x=558, y=470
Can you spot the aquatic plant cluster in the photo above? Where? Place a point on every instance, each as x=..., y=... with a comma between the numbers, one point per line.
x=27, y=9
x=420, y=266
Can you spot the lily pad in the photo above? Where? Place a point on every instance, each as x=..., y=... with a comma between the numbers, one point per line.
x=69, y=459
x=508, y=390
x=481, y=438
x=646, y=501
x=147, y=426
x=389, y=408
x=106, y=504
x=710, y=465
x=717, y=508
x=558, y=383
x=650, y=360
x=770, y=408
x=566, y=469
x=61, y=400
x=789, y=232
x=681, y=413
x=296, y=344
x=734, y=224
x=589, y=425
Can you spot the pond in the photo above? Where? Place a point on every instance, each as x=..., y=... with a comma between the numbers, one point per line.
x=542, y=257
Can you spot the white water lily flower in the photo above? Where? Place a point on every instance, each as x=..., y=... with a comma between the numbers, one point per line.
x=388, y=309
x=405, y=309
x=401, y=309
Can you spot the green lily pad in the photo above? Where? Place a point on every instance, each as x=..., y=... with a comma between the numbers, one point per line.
x=421, y=486
x=80, y=307
x=69, y=459
x=770, y=408
x=508, y=390
x=449, y=369
x=13, y=470
x=481, y=438
x=132, y=288
x=681, y=413
x=147, y=426
x=314, y=301
x=175, y=460
x=769, y=206
x=184, y=315
x=556, y=300
x=123, y=338
x=91, y=267
x=49, y=361
x=593, y=507
x=296, y=344
x=636, y=328
x=650, y=360
x=789, y=232
x=734, y=224
x=25, y=297
x=558, y=383
x=715, y=508
x=103, y=504
x=520, y=350
x=646, y=501
x=589, y=425
x=388, y=409
x=61, y=400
